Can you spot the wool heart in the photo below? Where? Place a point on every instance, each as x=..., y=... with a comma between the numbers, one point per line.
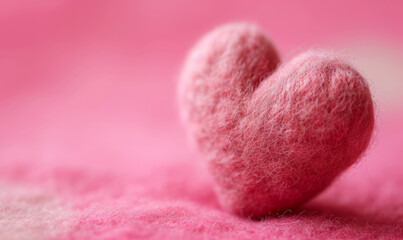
x=273, y=137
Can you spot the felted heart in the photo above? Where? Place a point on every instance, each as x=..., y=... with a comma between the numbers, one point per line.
x=273, y=136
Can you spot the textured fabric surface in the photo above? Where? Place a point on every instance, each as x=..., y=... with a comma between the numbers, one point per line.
x=91, y=145
x=272, y=140
x=173, y=199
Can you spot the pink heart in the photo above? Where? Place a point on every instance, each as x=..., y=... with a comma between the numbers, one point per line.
x=272, y=137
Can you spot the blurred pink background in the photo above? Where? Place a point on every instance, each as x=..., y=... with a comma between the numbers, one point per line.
x=97, y=78
x=91, y=85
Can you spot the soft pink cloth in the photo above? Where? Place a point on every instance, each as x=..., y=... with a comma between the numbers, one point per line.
x=90, y=141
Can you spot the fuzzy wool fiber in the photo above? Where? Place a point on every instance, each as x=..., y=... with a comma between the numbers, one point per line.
x=273, y=137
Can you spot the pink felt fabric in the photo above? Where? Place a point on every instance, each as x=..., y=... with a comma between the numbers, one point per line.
x=91, y=145
x=273, y=136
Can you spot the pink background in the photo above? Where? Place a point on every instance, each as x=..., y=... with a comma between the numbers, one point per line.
x=88, y=111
